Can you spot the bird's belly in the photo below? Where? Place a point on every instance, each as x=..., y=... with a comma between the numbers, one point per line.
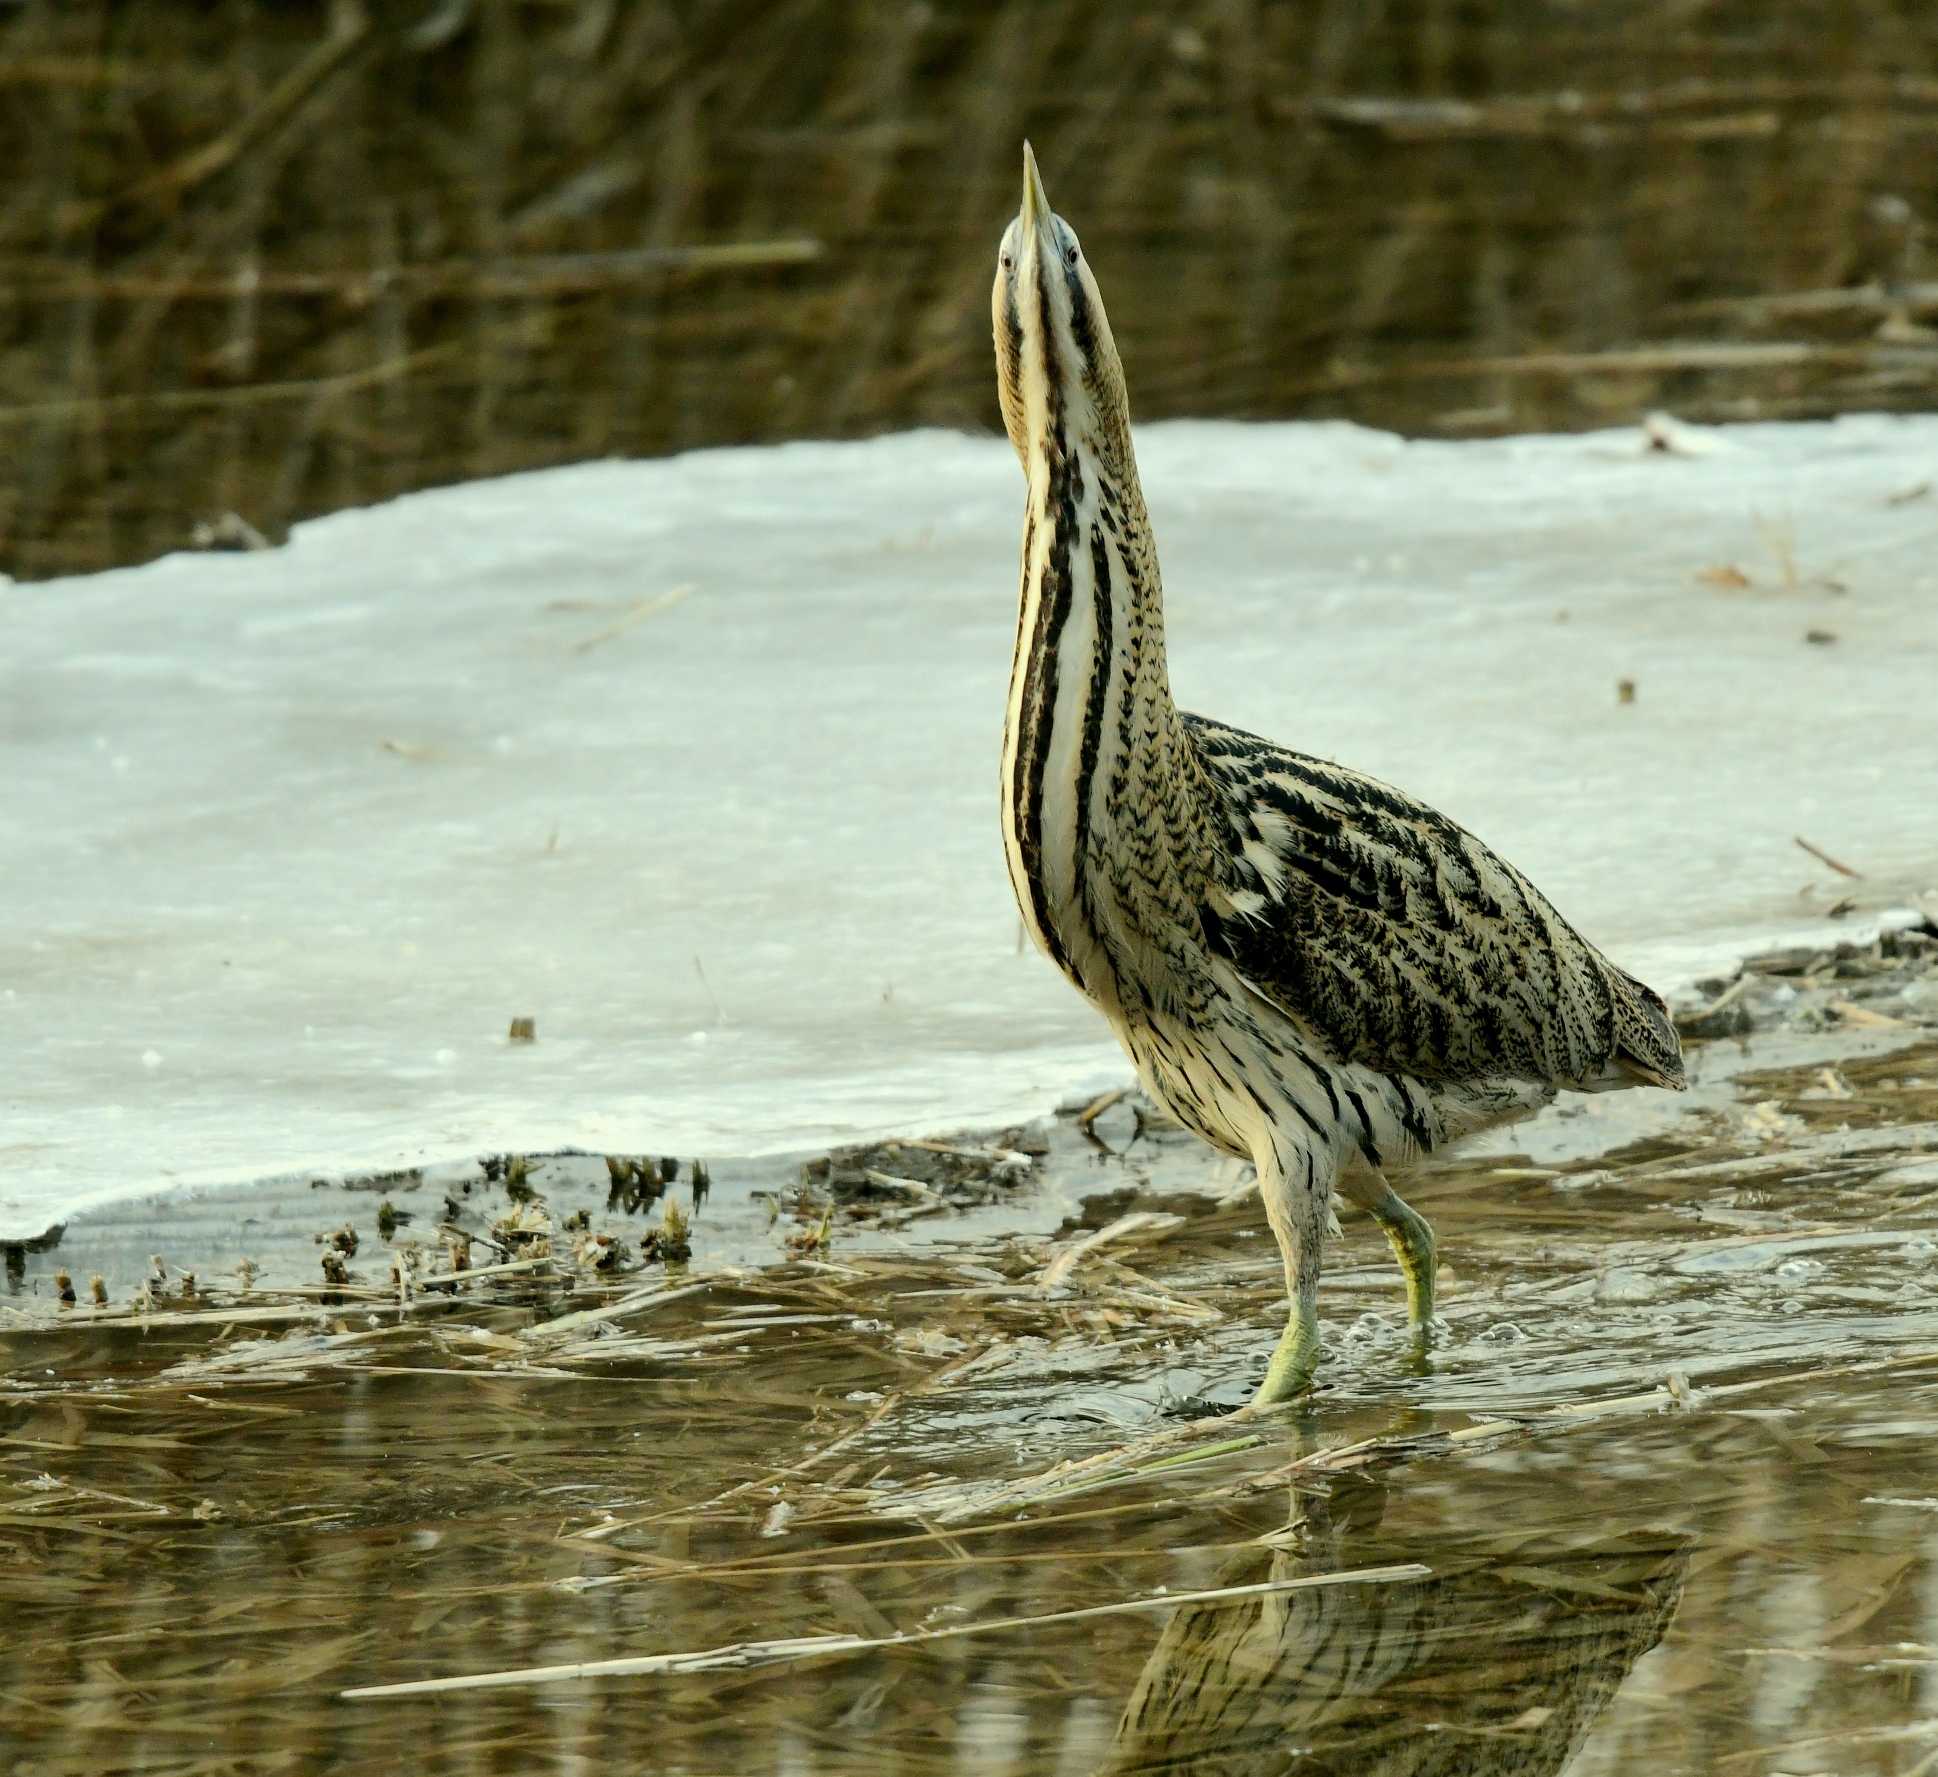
x=1229, y=1083
x=1188, y=1078
x=1246, y=1083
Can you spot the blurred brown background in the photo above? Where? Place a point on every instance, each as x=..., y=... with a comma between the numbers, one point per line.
x=279, y=258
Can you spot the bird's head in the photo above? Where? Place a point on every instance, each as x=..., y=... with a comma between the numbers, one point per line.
x=1057, y=367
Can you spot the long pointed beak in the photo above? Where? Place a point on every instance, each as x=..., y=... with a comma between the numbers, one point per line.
x=1036, y=205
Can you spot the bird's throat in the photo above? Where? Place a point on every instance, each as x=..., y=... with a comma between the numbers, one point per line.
x=1090, y=712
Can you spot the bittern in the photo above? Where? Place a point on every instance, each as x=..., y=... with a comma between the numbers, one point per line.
x=1309, y=969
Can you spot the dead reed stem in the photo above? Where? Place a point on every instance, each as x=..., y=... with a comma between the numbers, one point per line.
x=744, y=1654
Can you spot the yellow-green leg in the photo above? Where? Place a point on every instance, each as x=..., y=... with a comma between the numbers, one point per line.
x=1296, y=1188
x=1412, y=1242
x=1297, y=1356
x=1407, y=1233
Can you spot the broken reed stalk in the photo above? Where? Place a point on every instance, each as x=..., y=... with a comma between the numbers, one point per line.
x=785, y=1561
x=763, y=1481
x=739, y=1656
x=1824, y=857
x=530, y=275
x=1662, y=359
x=1139, y=1221
x=636, y=1303
x=462, y=1279
x=1098, y=1105
x=664, y=1570
x=350, y=27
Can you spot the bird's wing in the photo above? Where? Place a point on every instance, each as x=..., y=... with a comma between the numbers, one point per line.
x=1403, y=942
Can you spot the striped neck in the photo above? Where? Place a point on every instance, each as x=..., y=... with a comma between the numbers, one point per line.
x=1092, y=735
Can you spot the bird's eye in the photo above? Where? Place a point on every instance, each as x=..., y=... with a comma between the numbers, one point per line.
x=1073, y=256
x=1007, y=262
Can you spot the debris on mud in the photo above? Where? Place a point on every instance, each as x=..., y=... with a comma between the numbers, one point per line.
x=671, y=1242
x=889, y=1183
x=342, y=1240
x=1892, y=981
x=636, y=1182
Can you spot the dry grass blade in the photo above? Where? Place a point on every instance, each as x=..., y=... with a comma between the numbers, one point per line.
x=1098, y=1105
x=985, y=1156
x=1824, y=857
x=532, y=275
x=301, y=389
x=744, y=1654
x=1143, y=1221
x=760, y=1484
x=1168, y=1449
x=1863, y=1017
x=637, y=1303
x=350, y=28
x=277, y=1315
x=482, y=1274
x=1663, y=359
x=1917, y=1730
x=638, y=614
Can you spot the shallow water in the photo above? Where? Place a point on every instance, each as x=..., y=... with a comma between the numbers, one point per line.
x=488, y=249
x=1669, y=1466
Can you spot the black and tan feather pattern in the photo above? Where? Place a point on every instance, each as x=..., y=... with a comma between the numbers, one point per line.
x=1488, y=1668
x=1308, y=968
x=1403, y=940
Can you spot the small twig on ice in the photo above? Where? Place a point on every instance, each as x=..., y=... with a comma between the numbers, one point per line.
x=1824, y=857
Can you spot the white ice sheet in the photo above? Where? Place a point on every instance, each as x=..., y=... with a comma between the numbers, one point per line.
x=287, y=839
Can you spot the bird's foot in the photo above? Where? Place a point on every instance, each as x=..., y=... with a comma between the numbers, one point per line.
x=1423, y=1336
x=1297, y=1356
x=1192, y=1406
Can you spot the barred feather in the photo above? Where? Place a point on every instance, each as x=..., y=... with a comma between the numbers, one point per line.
x=1403, y=941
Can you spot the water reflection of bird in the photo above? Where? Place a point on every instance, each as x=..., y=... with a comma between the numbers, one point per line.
x=1497, y=1666
x=1311, y=970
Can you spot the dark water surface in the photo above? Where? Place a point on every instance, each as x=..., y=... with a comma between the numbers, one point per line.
x=1670, y=1468
x=278, y=260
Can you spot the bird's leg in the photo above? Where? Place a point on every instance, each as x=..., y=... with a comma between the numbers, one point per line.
x=1297, y=1356
x=1407, y=1232
x=1296, y=1188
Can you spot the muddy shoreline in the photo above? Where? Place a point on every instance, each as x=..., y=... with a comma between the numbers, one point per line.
x=1659, y=1494
x=577, y=1221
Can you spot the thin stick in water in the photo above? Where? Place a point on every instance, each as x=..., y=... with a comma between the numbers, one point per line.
x=743, y=1654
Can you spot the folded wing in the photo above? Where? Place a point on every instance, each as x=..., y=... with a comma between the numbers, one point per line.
x=1404, y=943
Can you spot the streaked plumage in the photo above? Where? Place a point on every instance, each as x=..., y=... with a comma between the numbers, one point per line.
x=1489, y=1668
x=1310, y=969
